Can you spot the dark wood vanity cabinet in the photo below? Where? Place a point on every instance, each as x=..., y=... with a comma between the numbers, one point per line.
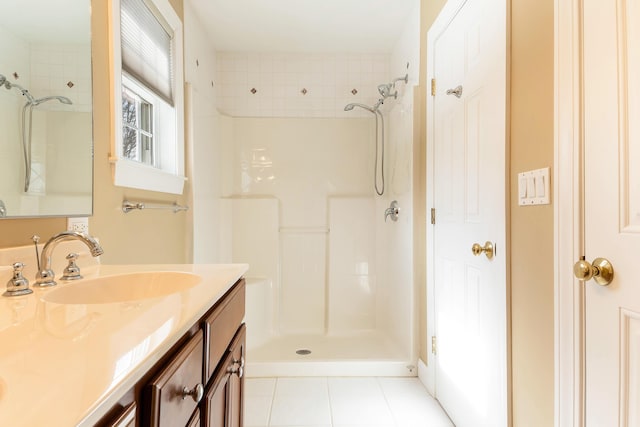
x=200, y=381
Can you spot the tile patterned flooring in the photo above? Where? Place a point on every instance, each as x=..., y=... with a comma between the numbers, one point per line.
x=340, y=402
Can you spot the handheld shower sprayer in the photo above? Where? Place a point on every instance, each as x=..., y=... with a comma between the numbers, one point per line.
x=350, y=107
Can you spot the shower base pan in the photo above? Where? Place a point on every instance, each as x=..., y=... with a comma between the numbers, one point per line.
x=368, y=354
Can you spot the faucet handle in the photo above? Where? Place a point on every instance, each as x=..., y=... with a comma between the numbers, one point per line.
x=18, y=284
x=71, y=271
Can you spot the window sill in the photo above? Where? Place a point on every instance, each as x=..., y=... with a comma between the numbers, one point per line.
x=127, y=173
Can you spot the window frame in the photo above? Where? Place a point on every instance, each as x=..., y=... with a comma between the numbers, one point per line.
x=141, y=104
x=168, y=176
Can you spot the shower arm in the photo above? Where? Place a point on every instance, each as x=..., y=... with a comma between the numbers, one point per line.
x=404, y=79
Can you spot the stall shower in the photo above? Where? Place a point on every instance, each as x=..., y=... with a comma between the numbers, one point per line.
x=330, y=288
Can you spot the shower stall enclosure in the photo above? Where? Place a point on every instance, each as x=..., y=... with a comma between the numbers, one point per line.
x=330, y=284
x=330, y=288
x=288, y=166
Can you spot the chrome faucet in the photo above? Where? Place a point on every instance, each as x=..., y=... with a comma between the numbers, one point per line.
x=45, y=276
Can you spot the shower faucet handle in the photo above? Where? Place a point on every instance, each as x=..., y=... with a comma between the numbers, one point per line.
x=392, y=211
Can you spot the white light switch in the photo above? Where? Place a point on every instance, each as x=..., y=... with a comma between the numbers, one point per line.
x=540, y=190
x=534, y=187
x=522, y=187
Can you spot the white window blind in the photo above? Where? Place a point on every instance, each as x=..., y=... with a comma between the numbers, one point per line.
x=146, y=48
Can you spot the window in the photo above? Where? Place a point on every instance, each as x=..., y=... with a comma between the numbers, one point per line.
x=137, y=128
x=149, y=134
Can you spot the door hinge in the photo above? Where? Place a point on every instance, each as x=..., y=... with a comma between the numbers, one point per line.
x=434, y=348
x=433, y=216
x=433, y=87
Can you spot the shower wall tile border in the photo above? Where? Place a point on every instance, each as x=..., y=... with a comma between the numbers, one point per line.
x=298, y=85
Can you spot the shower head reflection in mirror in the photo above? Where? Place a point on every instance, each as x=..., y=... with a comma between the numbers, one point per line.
x=27, y=120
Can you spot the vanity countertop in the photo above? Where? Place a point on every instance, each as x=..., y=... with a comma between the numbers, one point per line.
x=67, y=364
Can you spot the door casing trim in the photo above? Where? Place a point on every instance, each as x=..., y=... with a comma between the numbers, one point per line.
x=568, y=216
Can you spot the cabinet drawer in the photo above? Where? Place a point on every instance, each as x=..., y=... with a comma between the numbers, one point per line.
x=221, y=325
x=169, y=405
x=127, y=418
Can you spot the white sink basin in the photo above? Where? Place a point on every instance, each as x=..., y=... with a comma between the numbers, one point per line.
x=122, y=288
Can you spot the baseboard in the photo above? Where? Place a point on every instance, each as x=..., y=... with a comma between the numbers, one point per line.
x=424, y=375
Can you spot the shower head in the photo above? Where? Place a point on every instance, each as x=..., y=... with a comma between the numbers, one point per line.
x=8, y=85
x=350, y=107
x=385, y=91
x=62, y=99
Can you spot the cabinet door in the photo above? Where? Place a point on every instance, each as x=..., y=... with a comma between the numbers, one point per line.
x=221, y=325
x=195, y=419
x=177, y=389
x=236, y=388
x=216, y=402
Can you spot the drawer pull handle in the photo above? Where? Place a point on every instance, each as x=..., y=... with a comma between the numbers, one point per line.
x=240, y=370
x=196, y=393
x=237, y=367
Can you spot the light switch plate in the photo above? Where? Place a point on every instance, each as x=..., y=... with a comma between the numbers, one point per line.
x=534, y=187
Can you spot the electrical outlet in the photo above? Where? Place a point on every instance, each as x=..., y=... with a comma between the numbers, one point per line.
x=81, y=224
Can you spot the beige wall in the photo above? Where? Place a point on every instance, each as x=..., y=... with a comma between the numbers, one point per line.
x=137, y=237
x=532, y=227
x=531, y=147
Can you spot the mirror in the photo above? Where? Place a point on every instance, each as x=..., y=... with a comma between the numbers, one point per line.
x=46, y=142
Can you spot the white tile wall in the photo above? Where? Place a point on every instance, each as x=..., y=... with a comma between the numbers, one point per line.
x=14, y=58
x=279, y=81
x=207, y=161
x=53, y=66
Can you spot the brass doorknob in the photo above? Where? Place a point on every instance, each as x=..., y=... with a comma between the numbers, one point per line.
x=601, y=271
x=488, y=249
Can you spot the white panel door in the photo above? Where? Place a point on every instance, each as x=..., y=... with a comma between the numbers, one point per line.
x=612, y=209
x=469, y=198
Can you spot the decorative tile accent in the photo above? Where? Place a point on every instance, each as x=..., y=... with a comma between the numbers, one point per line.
x=328, y=79
x=253, y=90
